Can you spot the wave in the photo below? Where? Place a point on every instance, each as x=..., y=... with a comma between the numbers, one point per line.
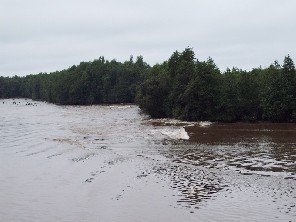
x=176, y=134
x=176, y=122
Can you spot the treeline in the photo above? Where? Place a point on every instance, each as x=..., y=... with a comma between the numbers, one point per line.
x=97, y=82
x=185, y=88
x=182, y=87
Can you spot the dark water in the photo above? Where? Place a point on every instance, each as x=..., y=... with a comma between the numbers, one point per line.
x=111, y=163
x=266, y=147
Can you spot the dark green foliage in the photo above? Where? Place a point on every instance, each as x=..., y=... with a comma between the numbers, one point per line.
x=208, y=81
x=153, y=93
x=188, y=89
x=94, y=82
x=279, y=101
x=229, y=97
x=191, y=89
x=182, y=88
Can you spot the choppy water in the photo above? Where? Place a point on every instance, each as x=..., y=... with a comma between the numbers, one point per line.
x=111, y=163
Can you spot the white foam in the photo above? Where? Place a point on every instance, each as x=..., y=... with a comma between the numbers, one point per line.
x=175, y=122
x=172, y=122
x=205, y=123
x=120, y=106
x=179, y=134
x=183, y=135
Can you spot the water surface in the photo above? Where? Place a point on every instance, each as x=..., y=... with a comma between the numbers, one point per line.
x=111, y=163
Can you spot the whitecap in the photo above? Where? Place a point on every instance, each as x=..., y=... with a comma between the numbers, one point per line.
x=176, y=134
x=205, y=123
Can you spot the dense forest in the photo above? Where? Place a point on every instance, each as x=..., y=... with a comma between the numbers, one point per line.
x=182, y=88
x=97, y=82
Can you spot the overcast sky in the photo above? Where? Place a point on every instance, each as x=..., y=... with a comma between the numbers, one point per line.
x=48, y=35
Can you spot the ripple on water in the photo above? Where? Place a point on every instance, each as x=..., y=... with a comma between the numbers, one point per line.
x=230, y=172
x=193, y=185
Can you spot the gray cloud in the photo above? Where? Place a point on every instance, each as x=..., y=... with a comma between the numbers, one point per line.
x=44, y=36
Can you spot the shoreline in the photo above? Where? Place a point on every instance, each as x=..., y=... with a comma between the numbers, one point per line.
x=165, y=119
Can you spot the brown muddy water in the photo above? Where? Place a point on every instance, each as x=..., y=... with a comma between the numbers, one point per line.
x=111, y=163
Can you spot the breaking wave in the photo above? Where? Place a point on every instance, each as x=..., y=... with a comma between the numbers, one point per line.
x=176, y=134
